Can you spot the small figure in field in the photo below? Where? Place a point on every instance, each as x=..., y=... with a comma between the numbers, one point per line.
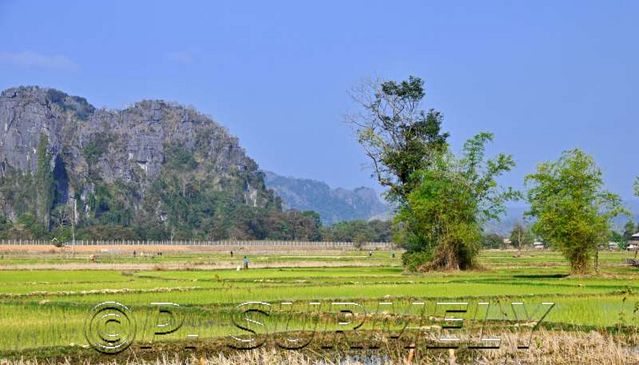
x=134, y=253
x=160, y=253
x=93, y=258
x=370, y=253
x=245, y=261
x=231, y=253
x=393, y=255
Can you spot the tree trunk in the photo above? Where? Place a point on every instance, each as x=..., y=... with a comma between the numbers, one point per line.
x=519, y=242
x=580, y=264
x=445, y=258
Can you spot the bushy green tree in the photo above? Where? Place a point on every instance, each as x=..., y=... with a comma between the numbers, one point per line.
x=292, y=225
x=492, y=240
x=358, y=230
x=442, y=202
x=572, y=210
x=521, y=236
x=26, y=227
x=445, y=213
x=628, y=230
x=107, y=232
x=614, y=236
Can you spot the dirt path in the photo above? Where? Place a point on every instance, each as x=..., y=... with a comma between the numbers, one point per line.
x=176, y=266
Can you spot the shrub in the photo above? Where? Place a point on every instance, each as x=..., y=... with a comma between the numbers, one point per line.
x=415, y=261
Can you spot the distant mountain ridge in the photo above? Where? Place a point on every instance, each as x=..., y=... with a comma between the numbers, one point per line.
x=333, y=205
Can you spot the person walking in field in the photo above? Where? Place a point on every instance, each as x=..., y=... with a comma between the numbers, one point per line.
x=245, y=261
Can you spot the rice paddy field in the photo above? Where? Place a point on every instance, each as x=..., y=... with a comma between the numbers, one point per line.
x=47, y=299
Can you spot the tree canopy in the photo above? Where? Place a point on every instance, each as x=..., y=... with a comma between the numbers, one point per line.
x=444, y=215
x=442, y=201
x=521, y=235
x=572, y=210
x=398, y=136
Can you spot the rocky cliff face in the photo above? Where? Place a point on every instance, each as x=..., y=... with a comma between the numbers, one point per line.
x=93, y=154
x=333, y=205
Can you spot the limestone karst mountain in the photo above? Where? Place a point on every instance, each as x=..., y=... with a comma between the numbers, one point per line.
x=333, y=205
x=155, y=169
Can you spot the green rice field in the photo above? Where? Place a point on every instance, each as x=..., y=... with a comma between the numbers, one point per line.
x=44, y=310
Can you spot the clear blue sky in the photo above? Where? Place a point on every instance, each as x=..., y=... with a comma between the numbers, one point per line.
x=544, y=76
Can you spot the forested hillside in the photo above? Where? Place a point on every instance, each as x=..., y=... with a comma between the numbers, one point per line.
x=155, y=170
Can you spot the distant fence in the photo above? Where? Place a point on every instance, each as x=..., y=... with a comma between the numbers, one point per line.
x=224, y=243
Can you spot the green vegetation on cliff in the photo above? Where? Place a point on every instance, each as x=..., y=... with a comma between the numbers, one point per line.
x=155, y=170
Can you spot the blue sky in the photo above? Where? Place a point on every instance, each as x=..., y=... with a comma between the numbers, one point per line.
x=543, y=76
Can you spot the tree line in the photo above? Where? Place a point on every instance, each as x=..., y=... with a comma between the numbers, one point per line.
x=445, y=199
